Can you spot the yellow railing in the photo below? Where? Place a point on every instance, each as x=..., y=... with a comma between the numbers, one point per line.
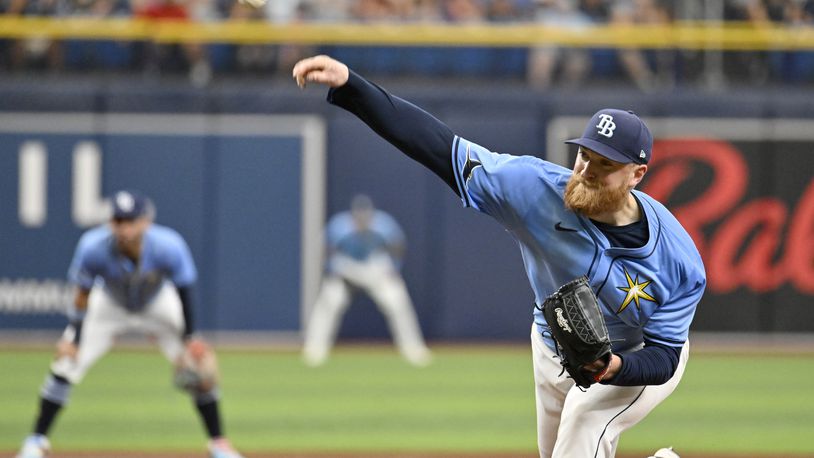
x=682, y=35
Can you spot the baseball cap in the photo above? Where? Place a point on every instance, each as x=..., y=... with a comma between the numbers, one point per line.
x=129, y=204
x=361, y=202
x=618, y=135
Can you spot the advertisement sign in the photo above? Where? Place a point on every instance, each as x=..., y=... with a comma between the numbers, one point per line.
x=744, y=190
x=246, y=192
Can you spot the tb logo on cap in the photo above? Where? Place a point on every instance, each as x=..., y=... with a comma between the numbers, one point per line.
x=606, y=125
x=125, y=201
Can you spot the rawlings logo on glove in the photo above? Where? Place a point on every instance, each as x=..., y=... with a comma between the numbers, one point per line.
x=577, y=326
x=562, y=321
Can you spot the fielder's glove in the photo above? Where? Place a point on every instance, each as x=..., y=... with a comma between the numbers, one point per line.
x=196, y=370
x=578, y=328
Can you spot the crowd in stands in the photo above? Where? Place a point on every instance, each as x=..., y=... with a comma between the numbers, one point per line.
x=540, y=66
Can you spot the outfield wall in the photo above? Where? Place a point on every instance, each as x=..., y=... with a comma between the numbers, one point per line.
x=737, y=169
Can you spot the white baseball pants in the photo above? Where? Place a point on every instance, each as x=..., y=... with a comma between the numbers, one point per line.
x=387, y=289
x=161, y=319
x=573, y=423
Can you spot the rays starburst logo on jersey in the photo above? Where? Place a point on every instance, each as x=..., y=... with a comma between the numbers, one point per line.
x=635, y=291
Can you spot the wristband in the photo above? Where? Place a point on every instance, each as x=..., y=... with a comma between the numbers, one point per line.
x=73, y=331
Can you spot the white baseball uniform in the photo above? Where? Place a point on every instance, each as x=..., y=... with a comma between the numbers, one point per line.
x=128, y=297
x=363, y=260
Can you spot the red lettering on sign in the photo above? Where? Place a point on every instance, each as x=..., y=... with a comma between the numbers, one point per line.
x=800, y=243
x=765, y=218
x=743, y=250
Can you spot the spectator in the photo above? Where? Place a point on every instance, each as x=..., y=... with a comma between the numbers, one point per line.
x=38, y=53
x=375, y=11
x=463, y=11
x=248, y=58
x=759, y=67
x=173, y=58
x=507, y=11
x=783, y=65
x=98, y=54
x=327, y=10
x=546, y=61
x=541, y=65
x=653, y=69
x=598, y=11
x=427, y=11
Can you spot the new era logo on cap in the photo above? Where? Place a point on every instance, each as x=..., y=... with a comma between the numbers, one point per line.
x=619, y=135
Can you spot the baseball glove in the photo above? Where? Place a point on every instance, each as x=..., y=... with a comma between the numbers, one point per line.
x=196, y=370
x=577, y=326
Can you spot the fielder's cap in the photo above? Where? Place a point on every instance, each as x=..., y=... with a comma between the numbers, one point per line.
x=130, y=204
x=618, y=135
x=361, y=202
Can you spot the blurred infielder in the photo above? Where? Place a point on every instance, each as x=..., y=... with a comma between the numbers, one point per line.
x=365, y=247
x=131, y=275
x=589, y=221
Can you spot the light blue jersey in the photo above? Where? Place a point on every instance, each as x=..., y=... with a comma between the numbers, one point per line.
x=381, y=235
x=165, y=256
x=649, y=292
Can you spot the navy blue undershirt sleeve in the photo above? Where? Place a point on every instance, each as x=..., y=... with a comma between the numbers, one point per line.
x=412, y=130
x=654, y=364
x=185, y=294
x=77, y=336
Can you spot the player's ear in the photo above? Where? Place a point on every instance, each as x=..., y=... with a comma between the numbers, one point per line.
x=639, y=171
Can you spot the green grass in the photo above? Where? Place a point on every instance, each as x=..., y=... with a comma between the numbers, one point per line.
x=469, y=399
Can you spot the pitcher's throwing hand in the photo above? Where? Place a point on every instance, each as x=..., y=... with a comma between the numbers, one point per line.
x=320, y=69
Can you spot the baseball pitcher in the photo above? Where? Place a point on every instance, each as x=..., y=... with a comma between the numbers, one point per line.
x=611, y=265
x=365, y=247
x=131, y=275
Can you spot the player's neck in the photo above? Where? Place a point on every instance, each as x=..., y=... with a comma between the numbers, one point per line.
x=131, y=251
x=628, y=214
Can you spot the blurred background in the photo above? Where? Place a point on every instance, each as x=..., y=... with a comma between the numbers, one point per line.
x=191, y=101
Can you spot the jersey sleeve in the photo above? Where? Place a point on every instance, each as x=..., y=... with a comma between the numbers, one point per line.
x=82, y=272
x=180, y=262
x=390, y=230
x=501, y=185
x=670, y=323
x=337, y=227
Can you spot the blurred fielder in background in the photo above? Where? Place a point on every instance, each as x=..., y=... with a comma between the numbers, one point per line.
x=131, y=275
x=588, y=221
x=365, y=248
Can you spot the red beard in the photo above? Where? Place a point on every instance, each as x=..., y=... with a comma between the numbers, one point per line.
x=592, y=199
